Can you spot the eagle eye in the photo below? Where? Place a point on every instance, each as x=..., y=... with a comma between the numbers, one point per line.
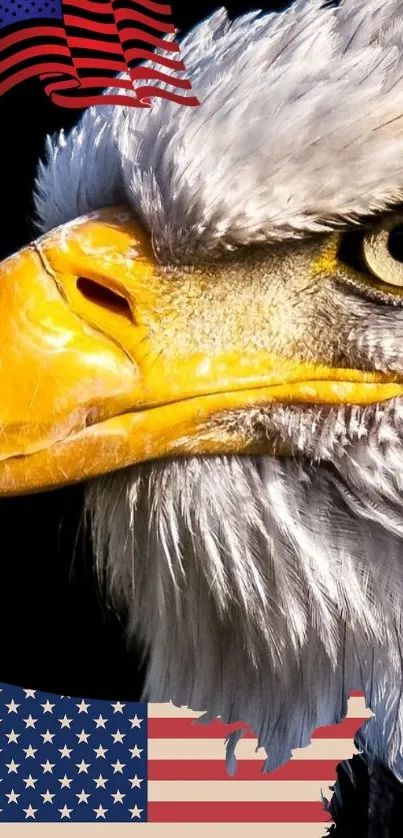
x=382, y=251
x=377, y=252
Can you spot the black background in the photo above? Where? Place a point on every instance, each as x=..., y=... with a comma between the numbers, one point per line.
x=54, y=634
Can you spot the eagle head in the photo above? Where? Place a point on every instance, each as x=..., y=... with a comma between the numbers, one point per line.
x=209, y=332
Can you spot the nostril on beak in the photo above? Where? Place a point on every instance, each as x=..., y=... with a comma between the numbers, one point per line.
x=104, y=297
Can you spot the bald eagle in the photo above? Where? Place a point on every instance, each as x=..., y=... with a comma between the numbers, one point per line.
x=208, y=331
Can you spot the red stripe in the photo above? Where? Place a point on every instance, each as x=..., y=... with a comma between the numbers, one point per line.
x=84, y=63
x=56, y=50
x=356, y=694
x=135, y=54
x=92, y=25
x=159, y=8
x=96, y=81
x=33, y=32
x=147, y=91
x=151, y=73
x=129, y=14
x=187, y=729
x=87, y=101
x=90, y=43
x=247, y=769
x=346, y=729
x=29, y=72
x=132, y=34
x=237, y=812
x=88, y=6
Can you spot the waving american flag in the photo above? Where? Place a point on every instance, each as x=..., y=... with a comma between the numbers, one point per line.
x=77, y=47
x=69, y=759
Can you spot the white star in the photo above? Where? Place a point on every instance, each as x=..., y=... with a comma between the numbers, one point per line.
x=82, y=766
x=29, y=693
x=100, y=752
x=65, y=782
x=47, y=707
x=118, y=796
x=118, y=737
x=30, y=782
x=100, y=721
x=12, y=708
x=30, y=752
x=83, y=707
x=118, y=766
x=135, y=812
x=30, y=812
x=100, y=812
x=12, y=737
x=12, y=767
x=47, y=797
x=65, y=812
x=82, y=797
x=83, y=736
x=65, y=752
x=65, y=722
x=136, y=783
x=118, y=707
x=135, y=752
x=12, y=796
x=100, y=782
x=30, y=722
x=48, y=737
x=48, y=767
x=136, y=722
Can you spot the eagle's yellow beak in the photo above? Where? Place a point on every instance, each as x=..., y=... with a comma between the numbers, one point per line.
x=100, y=368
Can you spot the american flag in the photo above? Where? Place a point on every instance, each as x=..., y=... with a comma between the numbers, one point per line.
x=77, y=47
x=65, y=759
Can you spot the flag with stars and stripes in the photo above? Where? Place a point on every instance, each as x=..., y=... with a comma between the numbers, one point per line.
x=69, y=759
x=82, y=760
x=77, y=47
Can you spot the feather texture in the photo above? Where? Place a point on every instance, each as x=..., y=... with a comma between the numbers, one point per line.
x=300, y=125
x=248, y=580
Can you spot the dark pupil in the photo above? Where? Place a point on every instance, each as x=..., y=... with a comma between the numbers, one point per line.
x=395, y=243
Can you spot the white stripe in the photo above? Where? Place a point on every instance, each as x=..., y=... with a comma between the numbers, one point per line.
x=168, y=830
x=357, y=708
x=198, y=749
x=237, y=790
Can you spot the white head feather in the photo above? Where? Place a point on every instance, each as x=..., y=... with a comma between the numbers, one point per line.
x=300, y=123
